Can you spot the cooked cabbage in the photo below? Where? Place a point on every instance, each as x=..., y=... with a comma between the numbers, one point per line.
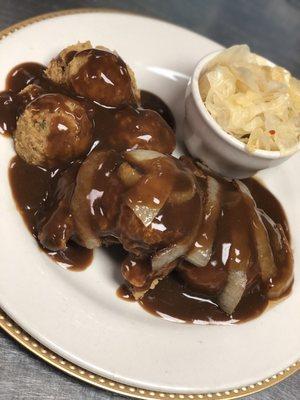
x=256, y=103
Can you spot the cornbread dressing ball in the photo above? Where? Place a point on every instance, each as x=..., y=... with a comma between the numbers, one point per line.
x=96, y=73
x=52, y=130
x=56, y=69
x=102, y=76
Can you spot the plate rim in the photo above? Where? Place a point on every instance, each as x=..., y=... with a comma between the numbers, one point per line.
x=41, y=351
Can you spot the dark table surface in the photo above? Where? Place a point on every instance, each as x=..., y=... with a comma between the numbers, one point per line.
x=270, y=27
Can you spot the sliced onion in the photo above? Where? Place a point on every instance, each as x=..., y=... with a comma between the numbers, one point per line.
x=233, y=291
x=85, y=235
x=201, y=251
x=144, y=213
x=128, y=175
x=140, y=157
x=284, y=258
x=280, y=286
x=179, y=249
x=181, y=196
x=194, y=167
x=261, y=238
x=162, y=272
x=203, y=169
x=168, y=255
x=237, y=267
x=148, y=196
x=239, y=258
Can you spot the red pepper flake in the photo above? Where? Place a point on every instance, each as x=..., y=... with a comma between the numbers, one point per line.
x=272, y=132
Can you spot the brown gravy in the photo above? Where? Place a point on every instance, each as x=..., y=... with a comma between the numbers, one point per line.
x=31, y=187
x=266, y=201
x=173, y=299
x=25, y=74
x=10, y=101
x=125, y=294
x=105, y=120
x=8, y=111
x=153, y=102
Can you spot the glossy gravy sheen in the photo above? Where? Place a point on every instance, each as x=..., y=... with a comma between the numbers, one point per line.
x=31, y=185
x=173, y=299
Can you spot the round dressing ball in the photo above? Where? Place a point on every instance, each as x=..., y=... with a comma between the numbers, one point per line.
x=52, y=130
x=102, y=76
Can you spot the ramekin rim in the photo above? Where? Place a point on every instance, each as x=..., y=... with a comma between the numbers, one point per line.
x=266, y=154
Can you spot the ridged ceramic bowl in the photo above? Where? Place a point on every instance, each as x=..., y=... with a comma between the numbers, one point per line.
x=206, y=140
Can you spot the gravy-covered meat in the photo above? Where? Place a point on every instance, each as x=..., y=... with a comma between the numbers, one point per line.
x=97, y=198
x=208, y=280
x=148, y=218
x=95, y=168
x=134, y=128
x=57, y=227
x=140, y=276
x=171, y=216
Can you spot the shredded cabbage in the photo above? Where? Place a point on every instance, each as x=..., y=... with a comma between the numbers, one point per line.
x=256, y=103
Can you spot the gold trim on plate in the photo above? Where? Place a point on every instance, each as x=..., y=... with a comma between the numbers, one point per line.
x=50, y=357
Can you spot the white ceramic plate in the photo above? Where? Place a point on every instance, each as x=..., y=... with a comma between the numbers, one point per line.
x=78, y=315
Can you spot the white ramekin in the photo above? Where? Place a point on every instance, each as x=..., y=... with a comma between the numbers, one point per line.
x=207, y=141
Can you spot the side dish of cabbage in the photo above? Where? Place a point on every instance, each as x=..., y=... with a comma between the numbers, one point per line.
x=253, y=100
